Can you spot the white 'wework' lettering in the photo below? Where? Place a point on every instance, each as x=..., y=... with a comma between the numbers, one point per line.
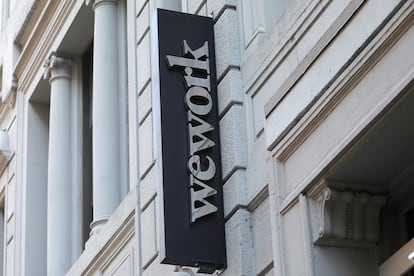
x=198, y=103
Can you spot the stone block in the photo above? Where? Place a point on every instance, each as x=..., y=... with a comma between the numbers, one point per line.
x=218, y=6
x=10, y=253
x=13, y=135
x=203, y=10
x=193, y=6
x=233, y=140
x=143, y=22
x=139, y=4
x=226, y=35
x=270, y=273
x=262, y=236
x=143, y=62
x=240, y=254
x=229, y=90
x=148, y=235
x=146, y=151
x=148, y=188
x=235, y=192
x=144, y=103
x=11, y=199
x=10, y=229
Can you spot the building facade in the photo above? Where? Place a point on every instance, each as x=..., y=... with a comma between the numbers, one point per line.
x=315, y=108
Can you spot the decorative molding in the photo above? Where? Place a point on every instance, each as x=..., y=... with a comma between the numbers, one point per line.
x=253, y=20
x=345, y=218
x=368, y=55
x=103, y=247
x=25, y=23
x=277, y=53
x=54, y=21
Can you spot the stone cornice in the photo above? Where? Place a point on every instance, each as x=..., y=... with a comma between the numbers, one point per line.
x=43, y=40
x=296, y=133
x=27, y=20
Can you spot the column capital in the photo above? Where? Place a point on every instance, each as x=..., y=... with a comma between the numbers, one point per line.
x=57, y=67
x=95, y=3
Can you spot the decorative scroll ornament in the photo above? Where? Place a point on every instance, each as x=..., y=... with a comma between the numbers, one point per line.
x=347, y=216
x=56, y=67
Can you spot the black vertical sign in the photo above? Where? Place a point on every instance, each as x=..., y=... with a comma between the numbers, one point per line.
x=188, y=142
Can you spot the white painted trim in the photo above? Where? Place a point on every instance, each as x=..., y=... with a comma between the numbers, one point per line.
x=156, y=115
x=279, y=51
x=307, y=232
x=314, y=52
x=282, y=147
x=350, y=77
x=134, y=169
x=45, y=38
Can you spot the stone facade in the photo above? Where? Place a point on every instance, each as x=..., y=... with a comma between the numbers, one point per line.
x=315, y=105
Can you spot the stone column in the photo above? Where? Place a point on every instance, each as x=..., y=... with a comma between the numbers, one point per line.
x=59, y=167
x=105, y=105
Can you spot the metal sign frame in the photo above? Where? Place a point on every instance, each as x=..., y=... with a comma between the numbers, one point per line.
x=187, y=141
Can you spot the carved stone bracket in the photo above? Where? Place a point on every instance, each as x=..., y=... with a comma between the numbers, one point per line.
x=347, y=217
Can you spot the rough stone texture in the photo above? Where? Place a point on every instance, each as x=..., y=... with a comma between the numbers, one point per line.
x=239, y=244
x=157, y=269
x=148, y=188
x=229, y=90
x=194, y=5
x=203, y=10
x=148, y=234
x=226, y=35
x=146, y=156
x=13, y=135
x=217, y=6
x=144, y=103
x=269, y=273
x=144, y=61
x=234, y=192
x=11, y=198
x=262, y=236
x=233, y=140
x=143, y=22
x=139, y=4
x=257, y=169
